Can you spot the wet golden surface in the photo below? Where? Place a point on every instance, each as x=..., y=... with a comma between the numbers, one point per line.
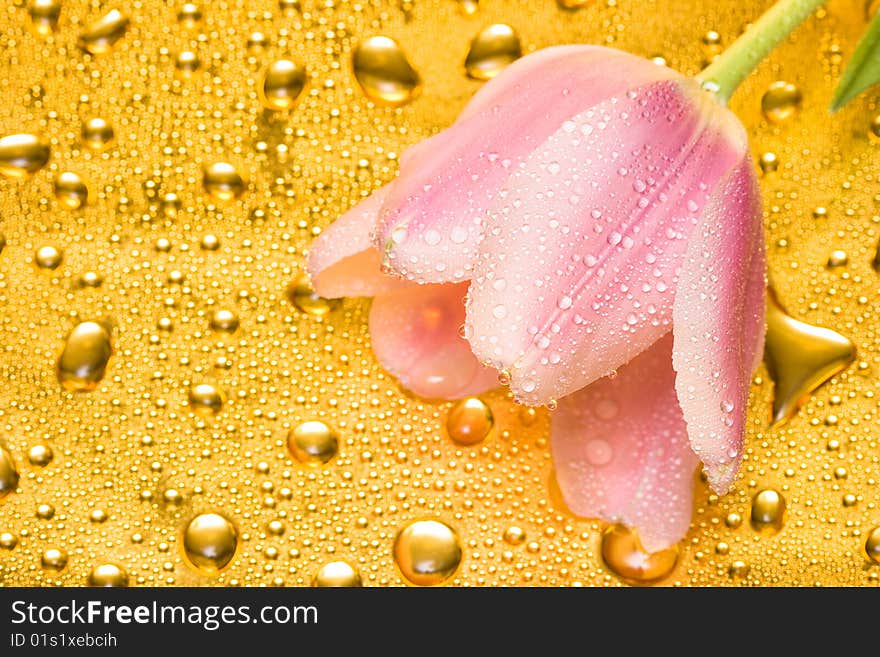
x=200, y=200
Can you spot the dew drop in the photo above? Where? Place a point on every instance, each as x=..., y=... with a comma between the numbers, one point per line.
x=205, y=398
x=598, y=452
x=8, y=541
x=54, y=559
x=301, y=295
x=44, y=16
x=428, y=552
x=189, y=14
x=210, y=542
x=313, y=443
x=491, y=51
x=623, y=553
x=22, y=155
x=224, y=320
x=40, y=455
x=872, y=545
x=83, y=360
x=781, y=101
x=48, y=257
x=564, y=303
x=768, y=509
x=70, y=191
x=469, y=421
x=8, y=472
x=837, y=258
x=222, y=181
x=97, y=134
x=100, y=37
x=108, y=575
x=187, y=62
x=282, y=85
x=337, y=574
x=384, y=73
x=768, y=162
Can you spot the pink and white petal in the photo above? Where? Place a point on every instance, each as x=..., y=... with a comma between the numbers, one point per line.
x=342, y=261
x=415, y=336
x=578, y=268
x=621, y=452
x=719, y=323
x=432, y=221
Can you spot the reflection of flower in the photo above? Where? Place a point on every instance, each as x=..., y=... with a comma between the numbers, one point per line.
x=600, y=215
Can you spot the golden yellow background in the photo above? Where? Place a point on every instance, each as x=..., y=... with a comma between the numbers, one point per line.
x=121, y=447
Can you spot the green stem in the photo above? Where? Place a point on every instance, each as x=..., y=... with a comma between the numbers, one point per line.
x=731, y=67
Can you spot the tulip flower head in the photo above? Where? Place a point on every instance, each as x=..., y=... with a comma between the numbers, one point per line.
x=593, y=221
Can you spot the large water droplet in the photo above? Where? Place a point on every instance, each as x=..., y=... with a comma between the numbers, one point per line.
x=222, y=181
x=83, y=361
x=205, y=398
x=768, y=509
x=312, y=443
x=224, y=320
x=623, y=553
x=305, y=298
x=872, y=545
x=337, y=574
x=493, y=49
x=48, y=257
x=209, y=542
x=282, y=85
x=469, y=421
x=97, y=134
x=22, y=154
x=70, y=190
x=100, y=37
x=8, y=473
x=427, y=552
x=384, y=73
x=54, y=559
x=800, y=358
x=44, y=15
x=189, y=14
x=781, y=101
x=108, y=575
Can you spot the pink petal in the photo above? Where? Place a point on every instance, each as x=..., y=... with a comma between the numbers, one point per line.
x=621, y=452
x=415, y=334
x=719, y=322
x=432, y=221
x=578, y=269
x=342, y=261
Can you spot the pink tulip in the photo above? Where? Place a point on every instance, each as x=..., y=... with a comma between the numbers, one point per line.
x=593, y=221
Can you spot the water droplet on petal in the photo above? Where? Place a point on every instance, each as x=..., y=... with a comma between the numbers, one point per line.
x=598, y=452
x=428, y=552
x=22, y=155
x=491, y=51
x=282, y=86
x=83, y=361
x=384, y=73
x=100, y=37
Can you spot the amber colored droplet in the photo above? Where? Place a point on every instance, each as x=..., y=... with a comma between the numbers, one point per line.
x=224, y=320
x=469, y=7
x=187, y=62
x=40, y=455
x=800, y=358
x=97, y=134
x=22, y=155
x=48, y=257
x=70, y=191
x=837, y=258
x=781, y=101
x=312, y=443
x=8, y=473
x=108, y=575
x=623, y=553
x=302, y=296
x=222, y=181
x=189, y=14
x=205, y=398
x=469, y=421
x=282, y=85
x=768, y=510
x=383, y=71
x=739, y=570
x=100, y=37
x=209, y=542
x=872, y=545
x=514, y=535
x=768, y=162
x=54, y=559
x=44, y=15
x=8, y=541
x=571, y=5
x=210, y=242
x=83, y=361
x=428, y=552
x=493, y=49
x=90, y=279
x=289, y=5
x=337, y=574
